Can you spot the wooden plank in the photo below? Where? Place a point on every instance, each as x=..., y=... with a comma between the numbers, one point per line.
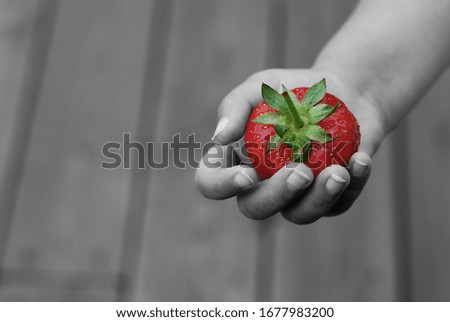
x=42, y=285
x=429, y=152
x=350, y=257
x=195, y=249
x=401, y=197
x=26, y=28
x=17, y=23
x=156, y=62
x=70, y=212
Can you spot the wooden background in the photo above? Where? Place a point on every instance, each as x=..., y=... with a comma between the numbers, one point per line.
x=76, y=74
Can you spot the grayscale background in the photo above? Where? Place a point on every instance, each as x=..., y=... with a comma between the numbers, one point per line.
x=75, y=74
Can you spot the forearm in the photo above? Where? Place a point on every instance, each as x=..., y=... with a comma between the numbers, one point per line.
x=391, y=51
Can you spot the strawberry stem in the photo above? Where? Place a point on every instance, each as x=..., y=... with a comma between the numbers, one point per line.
x=291, y=105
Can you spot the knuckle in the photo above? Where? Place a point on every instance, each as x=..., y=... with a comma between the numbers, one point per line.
x=273, y=202
x=318, y=208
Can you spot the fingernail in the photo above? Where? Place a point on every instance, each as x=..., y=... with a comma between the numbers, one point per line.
x=220, y=126
x=297, y=180
x=335, y=183
x=359, y=168
x=243, y=180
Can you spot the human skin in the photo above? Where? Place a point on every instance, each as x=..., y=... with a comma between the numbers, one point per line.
x=380, y=63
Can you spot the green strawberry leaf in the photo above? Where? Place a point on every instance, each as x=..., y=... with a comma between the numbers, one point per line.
x=316, y=133
x=289, y=140
x=281, y=129
x=270, y=118
x=291, y=97
x=301, y=141
x=273, y=98
x=274, y=142
x=315, y=93
x=294, y=106
x=302, y=155
x=306, y=151
x=318, y=112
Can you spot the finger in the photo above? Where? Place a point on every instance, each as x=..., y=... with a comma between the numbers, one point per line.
x=216, y=181
x=270, y=196
x=318, y=200
x=236, y=107
x=360, y=166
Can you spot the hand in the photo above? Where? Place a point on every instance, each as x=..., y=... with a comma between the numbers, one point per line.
x=292, y=189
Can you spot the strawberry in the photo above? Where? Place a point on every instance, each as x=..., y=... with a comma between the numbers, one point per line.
x=302, y=125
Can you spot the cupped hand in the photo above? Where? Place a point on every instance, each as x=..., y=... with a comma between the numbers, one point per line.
x=224, y=171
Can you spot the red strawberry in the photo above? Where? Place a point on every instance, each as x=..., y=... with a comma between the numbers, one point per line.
x=302, y=125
